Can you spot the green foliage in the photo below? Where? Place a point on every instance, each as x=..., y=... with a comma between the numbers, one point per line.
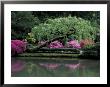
x=89, y=47
x=93, y=16
x=21, y=23
x=52, y=28
x=95, y=47
x=30, y=38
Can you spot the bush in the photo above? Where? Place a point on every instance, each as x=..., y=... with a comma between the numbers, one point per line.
x=30, y=38
x=91, y=51
x=21, y=23
x=56, y=44
x=92, y=47
x=86, y=43
x=60, y=26
x=17, y=47
x=73, y=44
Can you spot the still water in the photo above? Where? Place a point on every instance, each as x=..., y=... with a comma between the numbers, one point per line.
x=55, y=68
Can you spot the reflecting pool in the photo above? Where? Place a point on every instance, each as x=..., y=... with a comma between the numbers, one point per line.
x=55, y=68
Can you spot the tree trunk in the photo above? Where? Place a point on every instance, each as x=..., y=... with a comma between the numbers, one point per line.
x=49, y=41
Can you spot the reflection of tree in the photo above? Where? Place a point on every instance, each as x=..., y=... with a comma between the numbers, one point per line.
x=90, y=67
x=36, y=70
x=89, y=62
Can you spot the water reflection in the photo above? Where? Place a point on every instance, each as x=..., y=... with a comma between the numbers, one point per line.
x=50, y=65
x=72, y=66
x=59, y=68
x=17, y=66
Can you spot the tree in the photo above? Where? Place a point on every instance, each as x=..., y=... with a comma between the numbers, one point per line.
x=21, y=23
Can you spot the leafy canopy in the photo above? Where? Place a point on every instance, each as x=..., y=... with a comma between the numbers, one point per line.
x=60, y=26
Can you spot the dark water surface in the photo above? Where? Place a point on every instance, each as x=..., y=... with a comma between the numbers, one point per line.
x=55, y=68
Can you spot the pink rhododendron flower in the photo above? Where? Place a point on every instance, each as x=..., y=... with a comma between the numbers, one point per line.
x=56, y=44
x=17, y=46
x=73, y=44
x=20, y=44
x=13, y=49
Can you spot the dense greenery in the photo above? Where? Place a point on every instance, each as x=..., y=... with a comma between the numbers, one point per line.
x=53, y=36
x=93, y=16
x=22, y=22
x=76, y=29
x=52, y=28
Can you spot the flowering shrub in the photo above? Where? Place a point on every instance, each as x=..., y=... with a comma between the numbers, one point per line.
x=56, y=44
x=17, y=46
x=86, y=42
x=73, y=44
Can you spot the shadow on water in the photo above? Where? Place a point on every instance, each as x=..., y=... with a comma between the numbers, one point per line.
x=55, y=68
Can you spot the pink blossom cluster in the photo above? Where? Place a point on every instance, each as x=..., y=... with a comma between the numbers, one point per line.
x=73, y=44
x=17, y=46
x=56, y=44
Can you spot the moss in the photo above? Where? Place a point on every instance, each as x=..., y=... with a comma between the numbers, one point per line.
x=47, y=55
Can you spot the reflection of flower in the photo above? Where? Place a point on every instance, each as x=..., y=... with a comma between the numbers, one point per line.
x=73, y=44
x=72, y=66
x=17, y=66
x=50, y=66
x=56, y=44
